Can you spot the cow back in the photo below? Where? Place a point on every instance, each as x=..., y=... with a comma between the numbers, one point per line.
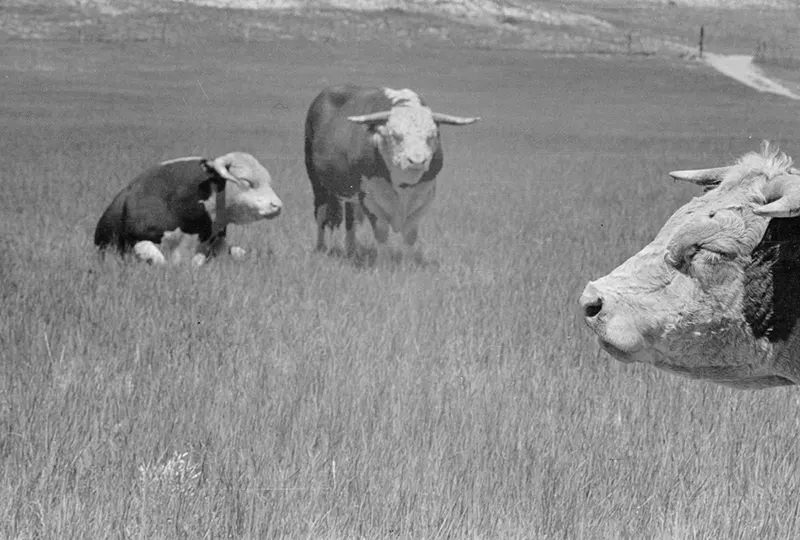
x=339, y=152
x=163, y=198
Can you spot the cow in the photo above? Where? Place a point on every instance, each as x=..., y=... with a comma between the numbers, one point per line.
x=716, y=294
x=180, y=208
x=375, y=151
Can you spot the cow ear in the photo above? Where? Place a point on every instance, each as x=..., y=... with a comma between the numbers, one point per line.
x=215, y=178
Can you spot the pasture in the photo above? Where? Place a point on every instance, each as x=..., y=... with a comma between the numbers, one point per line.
x=299, y=395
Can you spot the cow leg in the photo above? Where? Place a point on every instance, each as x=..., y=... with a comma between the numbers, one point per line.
x=410, y=229
x=148, y=252
x=350, y=230
x=237, y=253
x=221, y=247
x=178, y=246
x=199, y=259
x=321, y=214
x=410, y=235
x=327, y=211
x=217, y=248
x=380, y=230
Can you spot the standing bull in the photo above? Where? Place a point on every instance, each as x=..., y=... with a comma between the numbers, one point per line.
x=716, y=294
x=180, y=208
x=376, y=148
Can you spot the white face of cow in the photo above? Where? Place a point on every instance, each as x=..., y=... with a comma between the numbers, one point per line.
x=698, y=300
x=248, y=189
x=407, y=135
x=408, y=140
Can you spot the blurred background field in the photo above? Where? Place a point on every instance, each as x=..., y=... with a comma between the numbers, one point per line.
x=298, y=395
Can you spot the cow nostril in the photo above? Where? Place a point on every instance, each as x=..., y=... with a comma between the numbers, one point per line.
x=591, y=309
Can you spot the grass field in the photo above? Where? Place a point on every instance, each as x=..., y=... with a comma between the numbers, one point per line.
x=296, y=395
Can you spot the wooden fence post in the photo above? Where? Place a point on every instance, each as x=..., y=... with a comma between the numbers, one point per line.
x=702, y=33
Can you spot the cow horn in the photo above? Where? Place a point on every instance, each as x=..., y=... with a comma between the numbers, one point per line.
x=701, y=177
x=783, y=196
x=441, y=118
x=372, y=118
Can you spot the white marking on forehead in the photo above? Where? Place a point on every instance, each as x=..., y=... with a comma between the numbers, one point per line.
x=411, y=119
x=404, y=96
x=178, y=160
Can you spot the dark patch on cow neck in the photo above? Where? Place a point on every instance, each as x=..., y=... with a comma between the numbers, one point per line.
x=772, y=282
x=437, y=162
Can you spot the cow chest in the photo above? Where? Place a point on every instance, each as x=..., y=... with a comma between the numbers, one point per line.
x=393, y=204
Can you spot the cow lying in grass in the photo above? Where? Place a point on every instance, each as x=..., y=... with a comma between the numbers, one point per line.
x=716, y=295
x=179, y=209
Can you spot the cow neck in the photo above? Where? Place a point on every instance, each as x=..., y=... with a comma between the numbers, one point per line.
x=771, y=284
x=379, y=168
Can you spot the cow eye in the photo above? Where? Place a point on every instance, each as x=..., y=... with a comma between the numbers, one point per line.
x=712, y=256
x=682, y=261
x=695, y=257
x=398, y=137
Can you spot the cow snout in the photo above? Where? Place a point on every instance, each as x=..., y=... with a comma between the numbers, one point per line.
x=591, y=302
x=417, y=162
x=272, y=209
x=414, y=160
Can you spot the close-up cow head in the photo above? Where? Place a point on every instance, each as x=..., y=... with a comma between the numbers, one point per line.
x=715, y=295
x=248, y=194
x=407, y=135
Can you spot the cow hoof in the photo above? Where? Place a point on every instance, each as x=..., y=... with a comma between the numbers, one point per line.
x=149, y=253
x=199, y=260
x=237, y=253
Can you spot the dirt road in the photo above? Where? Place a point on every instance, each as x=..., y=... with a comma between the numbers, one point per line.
x=741, y=68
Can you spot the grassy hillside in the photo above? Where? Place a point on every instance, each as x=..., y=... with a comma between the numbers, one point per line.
x=577, y=26
x=298, y=395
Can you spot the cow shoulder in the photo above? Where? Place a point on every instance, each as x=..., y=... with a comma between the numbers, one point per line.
x=169, y=197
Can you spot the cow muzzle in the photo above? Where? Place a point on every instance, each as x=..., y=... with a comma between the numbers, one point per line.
x=271, y=209
x=591, y=303
x=616, y=330
x=414, y=163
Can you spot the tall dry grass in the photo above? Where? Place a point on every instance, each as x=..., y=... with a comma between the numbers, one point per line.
x=299, y=395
